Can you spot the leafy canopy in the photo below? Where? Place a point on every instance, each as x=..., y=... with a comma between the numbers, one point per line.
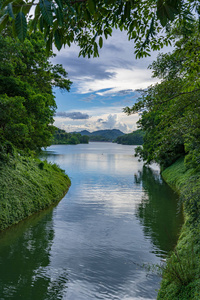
x=27, y=103
x=88, y=22
x=170, y=110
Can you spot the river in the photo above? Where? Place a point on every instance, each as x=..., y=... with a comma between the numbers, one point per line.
x=102, y=241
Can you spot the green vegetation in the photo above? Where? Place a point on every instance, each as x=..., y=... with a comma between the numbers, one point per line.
x=27, y=107
x=27, y=103
x=28, y=185
x=170, y=109
x=63, y=137
x=107, y=135
x=133, y=138
x=88, y=22
x=170, y=121
x=181, y=276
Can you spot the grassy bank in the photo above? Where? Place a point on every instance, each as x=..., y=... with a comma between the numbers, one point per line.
x=28, y=185
x=181, y=276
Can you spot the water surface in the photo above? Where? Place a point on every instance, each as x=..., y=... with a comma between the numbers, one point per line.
x=117, y=219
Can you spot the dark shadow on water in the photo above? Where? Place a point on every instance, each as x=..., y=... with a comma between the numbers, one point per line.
x=159, y=211
x=24, y=261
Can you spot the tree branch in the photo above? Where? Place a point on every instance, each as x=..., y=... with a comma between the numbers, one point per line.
x=183, y=93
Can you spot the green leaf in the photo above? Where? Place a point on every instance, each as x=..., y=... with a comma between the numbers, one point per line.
x=14, y=30
x=59, y=3
x=3, y=21
x=5, y=3
x=46, y=11
x=17, y=7
x=87, y=16
x=49, y=43
x=161, y=13
x=55, y=25
x=127, y=10
x=96, y=52
x=10, y=10
x=37, y=12
x=109, y=1
x=48, y=46
x=91, y=6
x=59, y=15
x=170, y=12
x=41, y=23
x=33, y=25
x=58, y=39
x=100, y=42
x=21, y=26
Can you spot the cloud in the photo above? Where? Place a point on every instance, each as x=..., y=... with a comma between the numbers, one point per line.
x=124, y=79
x=100, y=120
x=125, y=92
x=73, y=115
x=89, y=99
x=116, y=55
x=112, y=121
x=102, y=86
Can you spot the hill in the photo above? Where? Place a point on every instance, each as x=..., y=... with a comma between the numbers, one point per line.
x=133, y=138
x=62, y=137
x=107, y=135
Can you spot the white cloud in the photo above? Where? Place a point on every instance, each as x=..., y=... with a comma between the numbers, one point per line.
x=116, y=68
x=115, y=73
x=113, y=118
x=124, y=79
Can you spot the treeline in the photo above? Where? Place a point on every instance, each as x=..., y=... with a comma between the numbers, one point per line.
x=106, y=135
x=99, y=138
x=133, y=138
x=27, y=108
x=27, y=103
x=170, y=110
x=170, y=120
x=62, y=137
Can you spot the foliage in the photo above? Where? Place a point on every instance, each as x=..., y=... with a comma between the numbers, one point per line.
x=188, y=182
x=170, y=109
x=28, y=185
x=62, y=137
x=87, y=22
x=133, y=138
x=99, y=138
x=27, y=104
x=181, y=274
x=106, y=135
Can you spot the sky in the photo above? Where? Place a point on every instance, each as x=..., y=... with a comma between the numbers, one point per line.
x=102, y=86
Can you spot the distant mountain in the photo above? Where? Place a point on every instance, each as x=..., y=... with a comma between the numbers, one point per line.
x=133, y=138
x=107, y=135
x=84, y=132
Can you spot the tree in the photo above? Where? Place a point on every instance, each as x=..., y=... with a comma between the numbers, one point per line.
x=170, y=109
x=87, y=22
x=62, y=137
x=27, y=103
x=133, y=138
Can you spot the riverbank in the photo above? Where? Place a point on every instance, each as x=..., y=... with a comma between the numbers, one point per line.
x=181, y=276
x=28, y=185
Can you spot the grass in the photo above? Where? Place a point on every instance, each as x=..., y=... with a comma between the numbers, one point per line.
x=181, y=275
x=28, y=185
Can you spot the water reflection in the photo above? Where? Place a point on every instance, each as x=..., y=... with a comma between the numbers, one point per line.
x=158, y=211
x=25, y=271
x=94, y=244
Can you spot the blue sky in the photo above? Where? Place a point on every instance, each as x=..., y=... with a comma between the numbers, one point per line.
x=102, y=86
